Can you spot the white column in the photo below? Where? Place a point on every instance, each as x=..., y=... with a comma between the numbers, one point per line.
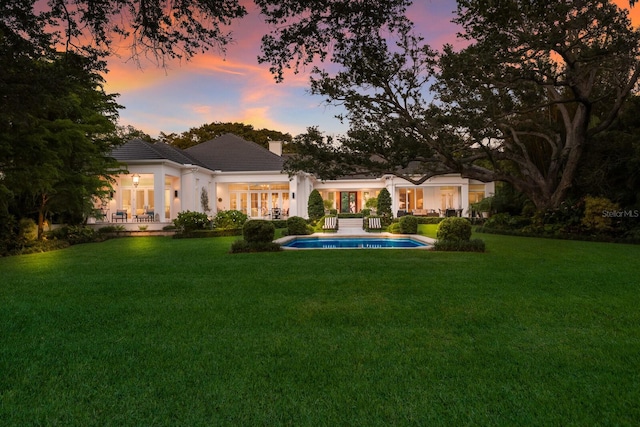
x=391, y=188
x=187, y=184
x=158, y=194
x=294, y=196
x=464, y=202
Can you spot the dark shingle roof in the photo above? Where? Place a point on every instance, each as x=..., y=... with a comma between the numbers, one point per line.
x=137, y=149
x=230, y=153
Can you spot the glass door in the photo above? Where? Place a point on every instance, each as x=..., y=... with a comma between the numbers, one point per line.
x=348, y=201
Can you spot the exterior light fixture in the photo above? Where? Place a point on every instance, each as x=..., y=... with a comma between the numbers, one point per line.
x=136, y=180
x=175, y=194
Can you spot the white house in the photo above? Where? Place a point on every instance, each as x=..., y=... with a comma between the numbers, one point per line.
x=233, y=173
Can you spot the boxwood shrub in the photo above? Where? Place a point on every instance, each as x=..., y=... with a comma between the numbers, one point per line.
x=454, y=228
x=242, y=246
x=473, y=245
x=408, y=224
x=258, y=231
x=297, y=225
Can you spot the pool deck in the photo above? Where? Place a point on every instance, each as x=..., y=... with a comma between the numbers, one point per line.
x=359, y=233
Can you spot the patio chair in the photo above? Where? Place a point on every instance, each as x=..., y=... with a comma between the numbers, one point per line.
x=146, y=216
x=330, y=223
x=375, y=223
x=119, y=215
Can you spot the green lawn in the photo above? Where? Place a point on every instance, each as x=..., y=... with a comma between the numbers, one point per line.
x=156, y=331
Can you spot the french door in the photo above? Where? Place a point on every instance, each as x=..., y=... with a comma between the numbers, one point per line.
x=348, y=201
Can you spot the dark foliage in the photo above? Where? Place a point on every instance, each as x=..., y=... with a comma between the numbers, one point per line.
x=454, y=228
x=297, y=225
x=473, y=245
x=315, y=206
x=258, y=231
x=408, y=224
x=242, y=246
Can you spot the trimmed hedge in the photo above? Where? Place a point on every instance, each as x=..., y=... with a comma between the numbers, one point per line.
x=473, y=245
x=297, y=225
x=408, y=225
x=350, y=215
x=454, y=228
x=195, y=234
x=242, y=246
x=258, y=231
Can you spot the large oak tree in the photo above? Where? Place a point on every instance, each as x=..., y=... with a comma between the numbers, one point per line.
x=536, y=81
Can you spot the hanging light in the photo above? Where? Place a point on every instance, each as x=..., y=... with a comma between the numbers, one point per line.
x=136, y=180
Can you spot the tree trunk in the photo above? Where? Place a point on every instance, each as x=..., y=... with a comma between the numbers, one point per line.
x=41, y=211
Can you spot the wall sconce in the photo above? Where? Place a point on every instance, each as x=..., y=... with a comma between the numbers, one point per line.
x=136, y=180
x=293, y=195
x=175, y=194
x=111, y=194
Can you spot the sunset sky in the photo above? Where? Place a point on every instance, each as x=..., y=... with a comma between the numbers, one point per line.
x=235, y=88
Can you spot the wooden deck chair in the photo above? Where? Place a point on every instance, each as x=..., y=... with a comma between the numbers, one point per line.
x=375, y=223
x=330, y=223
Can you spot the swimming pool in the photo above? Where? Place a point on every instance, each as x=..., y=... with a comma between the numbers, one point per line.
x=354, y=242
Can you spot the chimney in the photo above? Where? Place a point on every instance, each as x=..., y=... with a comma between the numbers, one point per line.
x=275, y=147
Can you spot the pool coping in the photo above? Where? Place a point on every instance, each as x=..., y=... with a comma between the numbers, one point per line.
x=423, y=239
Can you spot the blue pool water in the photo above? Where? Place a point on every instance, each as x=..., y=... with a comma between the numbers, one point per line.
x=353, y=243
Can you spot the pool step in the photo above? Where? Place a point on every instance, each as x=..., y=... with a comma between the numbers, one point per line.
x=350, y=226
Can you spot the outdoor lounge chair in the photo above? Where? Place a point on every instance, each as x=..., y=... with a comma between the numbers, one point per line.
x=119, y=215
x=330, y=223
x=146, y=216
x=375, y=223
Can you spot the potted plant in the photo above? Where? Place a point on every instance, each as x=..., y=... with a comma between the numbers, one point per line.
x=484, y=206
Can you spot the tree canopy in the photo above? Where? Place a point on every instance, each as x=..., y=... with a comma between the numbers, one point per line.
x=536, y=81
x=213, y=130
x=56, y=131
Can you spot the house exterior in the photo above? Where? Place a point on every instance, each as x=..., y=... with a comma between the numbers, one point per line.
x=235, y=174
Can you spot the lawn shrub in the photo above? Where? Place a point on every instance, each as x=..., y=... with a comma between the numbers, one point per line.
x=110, y=229
x=42, y=246
x=454, y=228
x=195, y=234
x=408, y=224
x=472, y=245
x=242, y=246
x=504, y=221
x=384, y=206
x=28, y=230
x=394, y=228
x=74, y=234
x=232, y=219
x=297, y=225
x=594, y=209
x=189, y=221
x=258, y=231
x=315, y=206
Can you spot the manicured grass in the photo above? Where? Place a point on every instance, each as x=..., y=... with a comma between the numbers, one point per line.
x=155, y=331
